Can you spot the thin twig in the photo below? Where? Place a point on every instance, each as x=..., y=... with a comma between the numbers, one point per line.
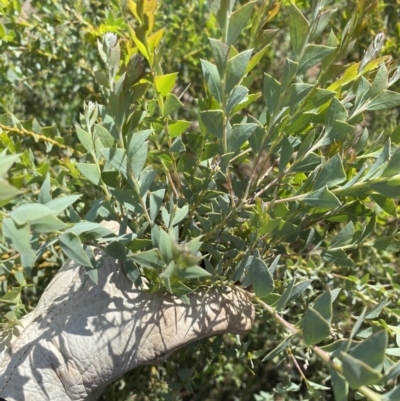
x=367, y=392
x=37, y=137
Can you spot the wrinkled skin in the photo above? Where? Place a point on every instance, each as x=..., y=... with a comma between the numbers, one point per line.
x=83, y=336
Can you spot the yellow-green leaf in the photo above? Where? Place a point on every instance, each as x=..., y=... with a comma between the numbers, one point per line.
x=165, y=83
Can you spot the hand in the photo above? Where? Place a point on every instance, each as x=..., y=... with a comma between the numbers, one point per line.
x=83, y=336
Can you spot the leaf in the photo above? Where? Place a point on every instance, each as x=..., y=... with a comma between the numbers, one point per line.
x=136, y=141
x=277, y=350
x=104, y=135
x=222, y=10
x=380, y=81
x=154, y=40
x=319, y=98
x=337, y=257
x=239, y=135
x=7, y=191
x=117, y=251
x=238, y=21
x=6, y=161
x=338, y=133
x=101, y=78
x=165, y=275
x=85, y=139
x=248, y=101
x=30, y=211
x=315, y=328
x=116, y=158
x=308, y=163
x=392, y=374
x=192, y=272
x=90, y=171
x=336, y=112
x=390, y=188
x=322, y=198
x=177, y=128
x=296, y=93
x=255, y=60
x=138, y=160
x=344, y=237
x=298, y=29
x=61, y=203
x=72, y=247
x=156, y=201
x=166, y=217
x=387, y=204
x=132, y=272
x=213, y=121
x=283, y=300
x=289, y=72
x=356, y=178
x=385, y=100
x=393, y=167
x=392, y=395
x=172, y=104
x=236, y=96
x=18, y=236
x=150, y=259
x=212, y=79
x=339, y=386
x=177, y=146
x=165, y=83
x=382, y=158
x=358, y=324
x=274, y=265
x=331, y=174
x=298, y=289
x=264, y=39
x=281, y=227
x=306, y=146
x=377, y=309
x=358, y=373
x=114, y=57
x=236, y=69
x=47, y=224
x=372, y=350
x=261, y=278
x=146, y=179
x=320, y=24
x=180, y=214
x=317, y=386
x=393, y=352
x=313, y=55
x=45, y=190
x=220, y=52
x=165, y=245
x=272, y=92
x=323, y=305
x=91, y=230
x=361, y=95
x=286, y=154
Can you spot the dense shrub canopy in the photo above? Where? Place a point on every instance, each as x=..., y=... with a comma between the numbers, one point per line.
x=253, y=145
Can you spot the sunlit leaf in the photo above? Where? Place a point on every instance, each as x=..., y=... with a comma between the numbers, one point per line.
x=298, y=28
x=238, y=21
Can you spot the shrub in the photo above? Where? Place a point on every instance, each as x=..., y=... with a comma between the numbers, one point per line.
x=284, y=193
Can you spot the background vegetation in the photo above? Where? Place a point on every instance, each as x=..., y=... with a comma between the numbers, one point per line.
x=48, y=58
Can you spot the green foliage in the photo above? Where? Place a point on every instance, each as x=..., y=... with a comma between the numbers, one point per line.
x=273, y=183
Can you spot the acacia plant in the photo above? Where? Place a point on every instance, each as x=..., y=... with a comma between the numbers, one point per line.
x=283, y=193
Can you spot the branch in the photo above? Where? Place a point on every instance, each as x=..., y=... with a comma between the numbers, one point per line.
x=367, y=392
x=37, y=137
